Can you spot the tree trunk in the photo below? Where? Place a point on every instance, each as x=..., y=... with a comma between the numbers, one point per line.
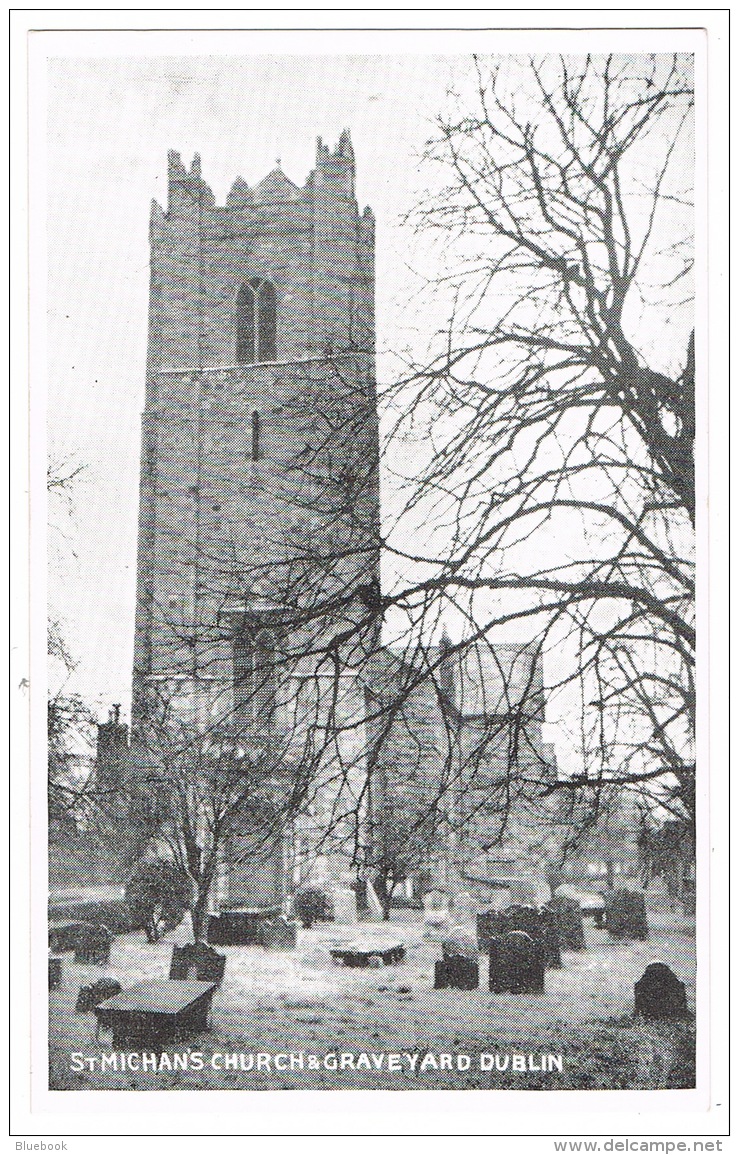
x=385, y=894
x=610, y=877
x=199, y=916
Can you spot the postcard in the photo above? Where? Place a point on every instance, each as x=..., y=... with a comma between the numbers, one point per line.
x=370, y=425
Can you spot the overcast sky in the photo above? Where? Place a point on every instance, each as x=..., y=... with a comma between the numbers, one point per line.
x=110, y=124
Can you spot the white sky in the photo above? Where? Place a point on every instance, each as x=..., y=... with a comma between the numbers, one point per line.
x=111, y=122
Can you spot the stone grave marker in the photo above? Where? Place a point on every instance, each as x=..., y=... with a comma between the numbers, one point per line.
x=55, y=973
x=659, y=994
x=516, y=964
x=569, y=922
x=489, y=925
x=538, y=925
x=96, y=993
x=197, y=960
x=458, y=973
x=435, y=915
x=626, y=914
x=344, y=904
x=153, y=1013
x=279, y=934
x=93, y=946
x=550, y=937
x=459, y=942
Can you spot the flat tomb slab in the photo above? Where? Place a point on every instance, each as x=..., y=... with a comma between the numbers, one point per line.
x=156, y=1010
x=359, y=952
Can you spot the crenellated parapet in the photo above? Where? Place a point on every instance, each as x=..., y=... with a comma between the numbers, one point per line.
x=333, y=175
x=187, y=191
x=309, y=243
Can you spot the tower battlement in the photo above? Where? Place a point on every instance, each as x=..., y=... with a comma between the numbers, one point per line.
x=309, y=247
x=334, y=174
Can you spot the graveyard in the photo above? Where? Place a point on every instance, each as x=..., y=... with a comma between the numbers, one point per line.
x=320, y=1001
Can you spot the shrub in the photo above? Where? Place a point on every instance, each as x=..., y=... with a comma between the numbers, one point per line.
x=158, y=896
x=311, y=904
x=626, y=914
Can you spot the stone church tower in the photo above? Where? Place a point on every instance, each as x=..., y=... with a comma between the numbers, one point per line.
x=259, y=499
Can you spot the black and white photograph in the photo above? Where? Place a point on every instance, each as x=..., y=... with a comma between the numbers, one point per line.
x=369, y=469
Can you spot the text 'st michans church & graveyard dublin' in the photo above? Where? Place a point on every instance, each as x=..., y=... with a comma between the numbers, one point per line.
x=259, y=599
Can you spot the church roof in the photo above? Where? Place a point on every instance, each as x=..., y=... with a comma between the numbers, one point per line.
x=275, y=187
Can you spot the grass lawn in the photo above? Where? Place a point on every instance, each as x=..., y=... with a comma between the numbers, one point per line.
x=298, y=1002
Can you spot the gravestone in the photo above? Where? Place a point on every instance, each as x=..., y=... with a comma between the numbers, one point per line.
x=55, y=973
x=659, y=994
x=569, y=922
x=537, y=925
x=239, y=926
x=197, y=960
x=521, y=916
x=626, y=915
x=152, y=1013
x=550, y=937
x=96, y=993
x=457, y=972
x=368, y=952
x=63, y=936
x=489, y=926
x=279, y=934
x=93, y=946
x=344, y=904
x=516, y=964
x=459, y=943
x=435, y=915
x=463, y=910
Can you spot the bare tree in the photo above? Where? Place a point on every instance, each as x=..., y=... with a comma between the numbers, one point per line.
x=667, y=850
x=558, y=402
x=69, y=718
x=198, y=792
x=69, y=736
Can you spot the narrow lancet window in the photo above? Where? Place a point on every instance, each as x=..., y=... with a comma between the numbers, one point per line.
x=255, y=430
x=256, y=322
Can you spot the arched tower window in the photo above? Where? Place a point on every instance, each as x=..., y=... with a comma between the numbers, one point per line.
x=256, y=322
x=255, y=429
